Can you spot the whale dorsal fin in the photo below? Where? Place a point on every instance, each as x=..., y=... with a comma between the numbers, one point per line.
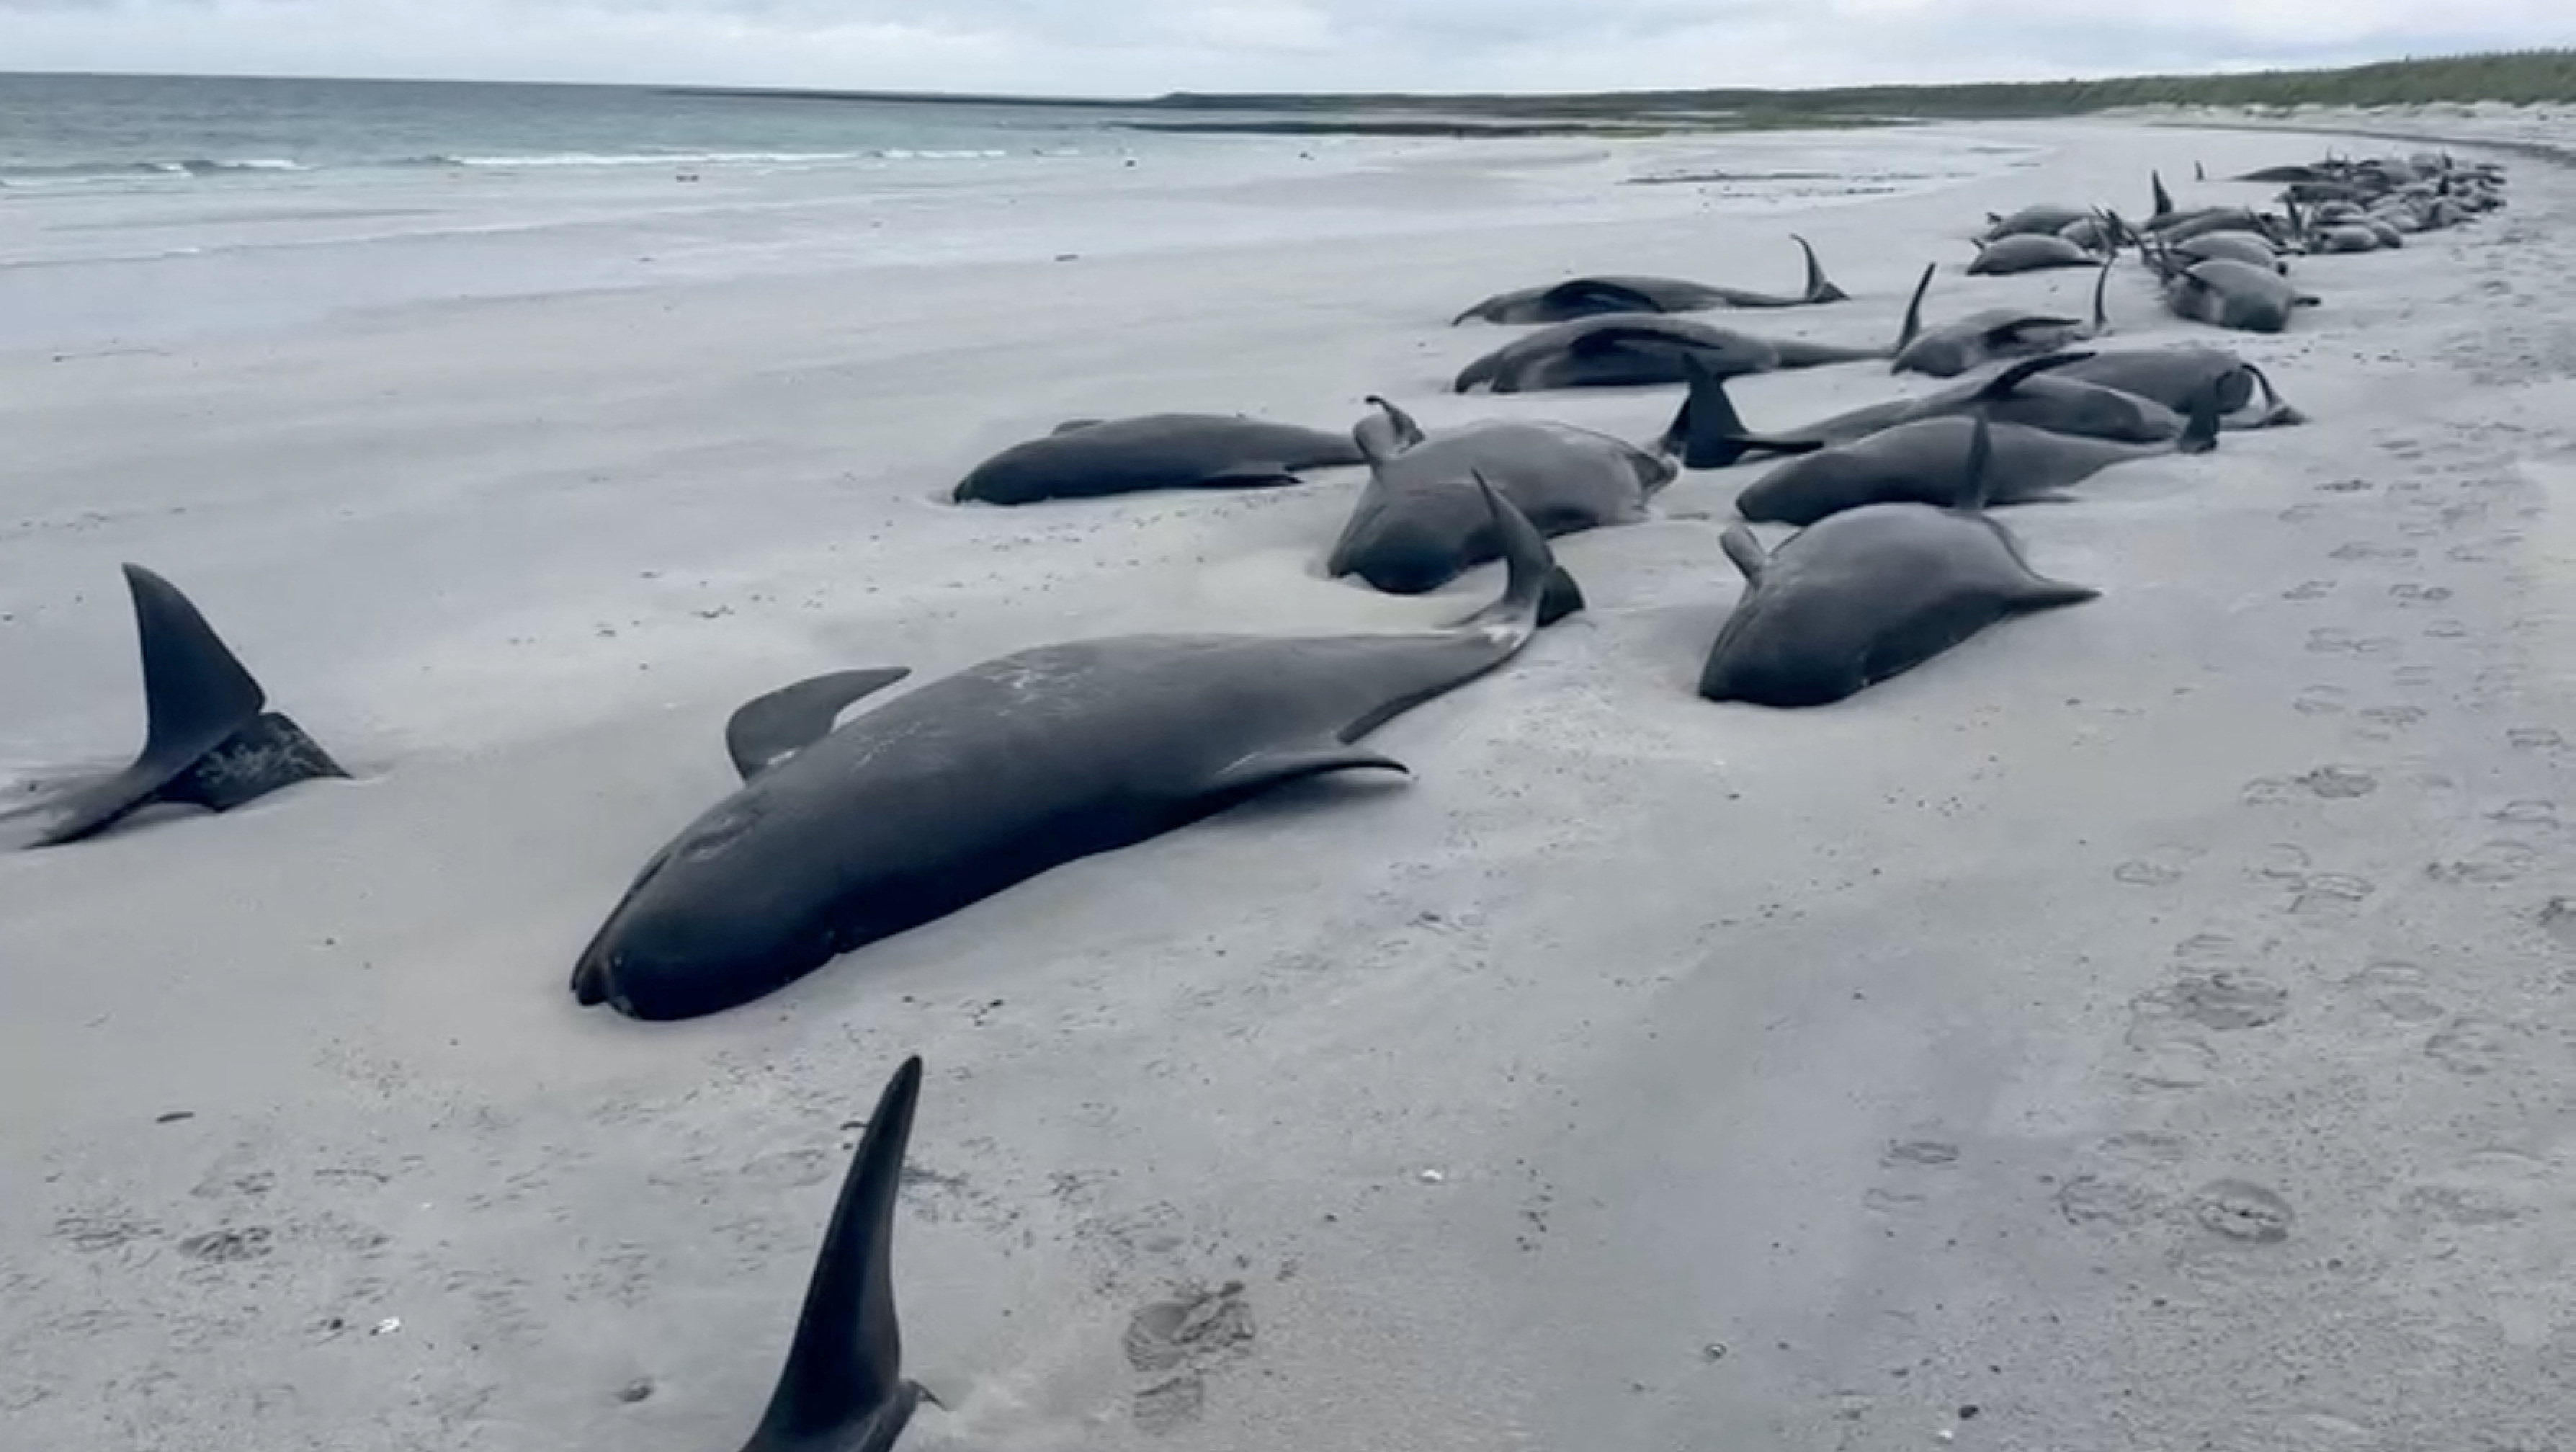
x=769, y=729
x=1973, y=483
x=845, y=1367
x=1913, y=324
x=1072, y=424
x=1744, y=551
x=2163, y=199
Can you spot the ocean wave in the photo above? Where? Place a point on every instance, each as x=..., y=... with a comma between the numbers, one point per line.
x=540, y=160
x=75, y=173
x=80, y=171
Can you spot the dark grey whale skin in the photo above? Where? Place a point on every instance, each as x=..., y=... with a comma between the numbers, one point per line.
x=985, y=778
x=1092, y=458
x=1584, y=297
x=1421, y=522
x=1709, y=434
x=1633, y=349
x=1868, y=594
x=1929, y=461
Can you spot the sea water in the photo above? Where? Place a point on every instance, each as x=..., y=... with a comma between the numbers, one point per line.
x=137, y=209
x=102, y=130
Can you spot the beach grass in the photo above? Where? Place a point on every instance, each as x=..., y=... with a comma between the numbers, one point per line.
x=2522, y=77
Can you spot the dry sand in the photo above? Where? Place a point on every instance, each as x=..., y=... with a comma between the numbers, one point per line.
x=2145, y=1025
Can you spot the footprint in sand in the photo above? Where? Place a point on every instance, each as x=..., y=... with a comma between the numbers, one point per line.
x=2470, y=1047
x=1174, y=1343
x=2243, y=1211
x=2363, y=550
x=2496, y=862
x=2557, y=917
x=226, y=1246
x=2395, y=990
x=2528, y=812
x=1906, y=1157
x=2162, y=867
x=2228, y=1001
x=2332, y=783
x=2329, y=893
x=2097, y=1200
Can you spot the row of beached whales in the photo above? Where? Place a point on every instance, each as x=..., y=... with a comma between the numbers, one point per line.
x=842, y=834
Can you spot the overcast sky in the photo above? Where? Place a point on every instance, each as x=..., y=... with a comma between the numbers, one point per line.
x=1143, y=47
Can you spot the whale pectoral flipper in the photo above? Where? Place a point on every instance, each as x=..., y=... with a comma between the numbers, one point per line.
x=2002, y=384
x=1262, y=770
x=845, y=1368
x=1744, y=551
x=2011, y=332
x=1604, y=340
x=768, y=729
x=1587, y=290
x=1246, y=476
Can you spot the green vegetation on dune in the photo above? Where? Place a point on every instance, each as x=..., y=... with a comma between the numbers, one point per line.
x=2516, y=77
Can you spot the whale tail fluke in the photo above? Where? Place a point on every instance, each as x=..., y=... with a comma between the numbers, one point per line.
x=1385, y=433
x=2278, y=412
x=1537, y=591
x=1707, y=433
x=1820, y=288
x=2200, y=427
x=208, y=741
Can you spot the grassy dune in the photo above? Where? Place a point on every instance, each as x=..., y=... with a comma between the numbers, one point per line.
x=2518, y=77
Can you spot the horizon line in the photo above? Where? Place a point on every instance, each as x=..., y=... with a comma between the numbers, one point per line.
x=1165, y=98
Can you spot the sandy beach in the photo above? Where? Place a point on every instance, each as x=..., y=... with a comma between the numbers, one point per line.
x=2145, y=1026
